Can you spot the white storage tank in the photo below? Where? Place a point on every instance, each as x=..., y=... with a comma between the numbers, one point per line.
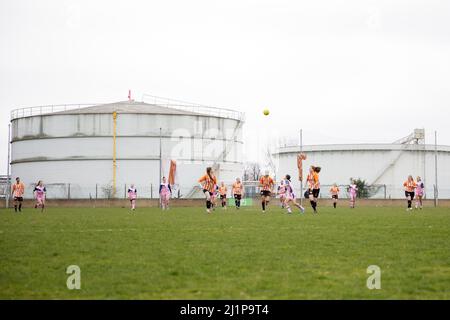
x=386, y=166
x=73, y=147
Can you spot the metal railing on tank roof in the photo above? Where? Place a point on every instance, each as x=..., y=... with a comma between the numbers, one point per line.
x=193, y=107
x=41, y=110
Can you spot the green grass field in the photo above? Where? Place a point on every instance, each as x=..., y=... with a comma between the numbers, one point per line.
x=186, y=254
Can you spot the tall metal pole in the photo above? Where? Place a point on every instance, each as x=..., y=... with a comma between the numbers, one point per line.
x=301, y=182
x=436, y=196
x=8, y=178
x=114, y=153
x=160, y=157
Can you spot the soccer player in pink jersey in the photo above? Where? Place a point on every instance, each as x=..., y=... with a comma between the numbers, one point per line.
x=282, y=193
x=420, y=188
x=164, y=193
x=289, y=197
x=39, y=195
x=132, y=196
x=353, y=191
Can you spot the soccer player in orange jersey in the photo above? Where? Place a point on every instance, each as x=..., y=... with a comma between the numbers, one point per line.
x=266, y=184
x=409, y=185
x=334, y=190
x=18, y=189
x=208, y=184
x=313, y=186
x=223, y=194
x=238, y=191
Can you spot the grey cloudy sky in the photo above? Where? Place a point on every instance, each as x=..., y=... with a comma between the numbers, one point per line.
x=345, y=71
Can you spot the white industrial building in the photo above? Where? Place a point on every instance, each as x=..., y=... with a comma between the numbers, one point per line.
x=385, y=166
x=81, y=151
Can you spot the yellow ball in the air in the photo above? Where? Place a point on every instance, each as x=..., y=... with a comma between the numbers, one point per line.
x=266, y=112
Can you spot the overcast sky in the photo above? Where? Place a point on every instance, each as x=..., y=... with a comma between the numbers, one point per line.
x=344, y=71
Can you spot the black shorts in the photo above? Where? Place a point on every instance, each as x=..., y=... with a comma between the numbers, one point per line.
x=210, y=193
x=20, y=199
x=237, y=196
x=334, y=196
x=407, y=194
x=265, y=193
x=223, y=196
x=315, y=193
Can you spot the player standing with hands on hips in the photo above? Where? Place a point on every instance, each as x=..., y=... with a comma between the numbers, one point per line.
x=266, y=184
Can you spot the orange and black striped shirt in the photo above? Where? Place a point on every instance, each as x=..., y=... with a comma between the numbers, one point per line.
x=266, y=183
x=409, y=185
x=209, y=183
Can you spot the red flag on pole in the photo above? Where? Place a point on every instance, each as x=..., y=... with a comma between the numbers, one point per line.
x=300, y=158
x=172, y=172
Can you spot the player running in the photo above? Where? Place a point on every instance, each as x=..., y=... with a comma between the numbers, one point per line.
x=282, y=193
x=18, y=189
x=334, y=191
x=266, y=184
x=352, y=191
x=208, y=184
x=289, y=197
x=420, y=188
x=132, y=196
x=223, y=195
x=164, y=193
x=238, y=191
x=39, y=195
x=409, y=185
x=313, y=186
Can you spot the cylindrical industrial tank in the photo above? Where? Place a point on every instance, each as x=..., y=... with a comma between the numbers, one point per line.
x=383, y=165
x=73, y=148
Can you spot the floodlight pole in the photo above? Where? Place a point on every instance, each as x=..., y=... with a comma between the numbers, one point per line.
x=436, y=192
x=301, y=181
x=8, y=178
x=160, y=158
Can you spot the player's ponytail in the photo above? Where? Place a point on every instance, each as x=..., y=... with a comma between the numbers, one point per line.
x=208, y=172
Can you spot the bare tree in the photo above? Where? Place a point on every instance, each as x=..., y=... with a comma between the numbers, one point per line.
x=251, y=171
